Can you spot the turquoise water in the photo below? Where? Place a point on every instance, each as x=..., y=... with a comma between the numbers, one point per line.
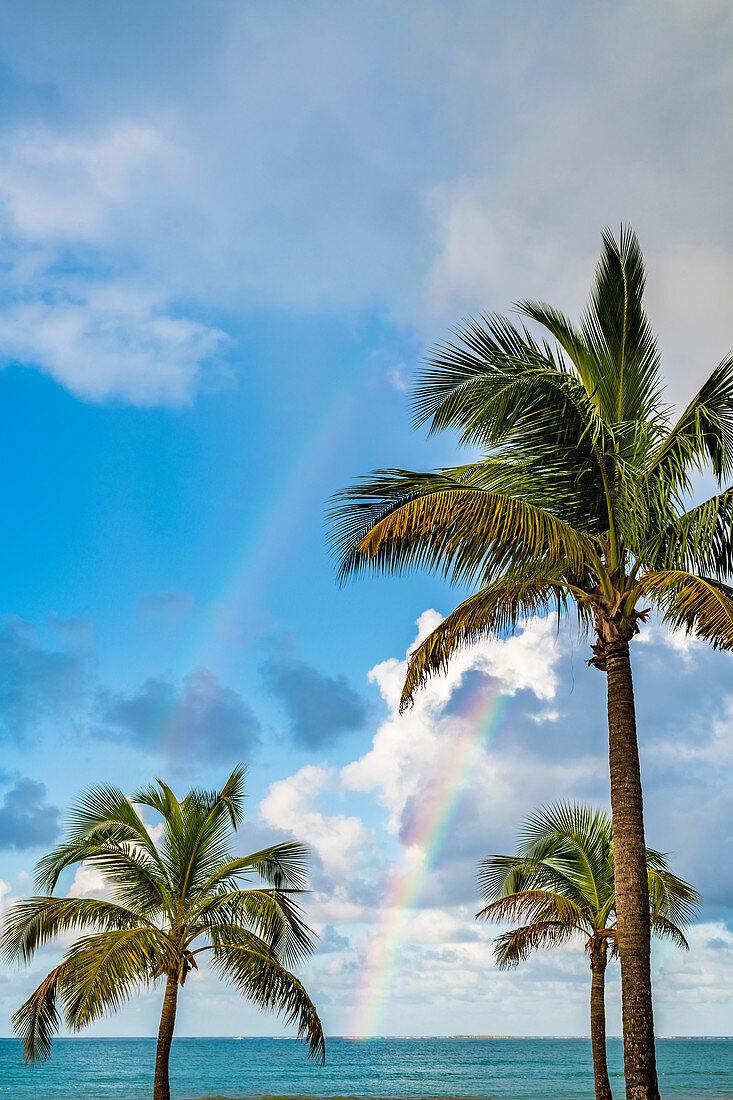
x=505, y=1069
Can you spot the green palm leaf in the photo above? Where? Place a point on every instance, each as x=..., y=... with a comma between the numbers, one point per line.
x=399, y=519
x=704, y=432
x=490, y=611
x=262, y=979
x=699, y=605
x=513, y=947
x=698, y=540
x=169, y=900
x=561, y=884
x=34, y=922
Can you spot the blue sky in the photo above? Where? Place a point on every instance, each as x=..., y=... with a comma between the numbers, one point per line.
x=229, y=233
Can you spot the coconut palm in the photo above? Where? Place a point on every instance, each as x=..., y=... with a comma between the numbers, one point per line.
x=171, y=900
x=560, y=884
x=577, y=493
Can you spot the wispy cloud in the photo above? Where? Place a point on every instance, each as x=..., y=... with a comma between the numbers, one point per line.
x=311, y=179
x=26, y=819
x=79, y=301
x=182, y=720
x=320, y=708
x=36, y=682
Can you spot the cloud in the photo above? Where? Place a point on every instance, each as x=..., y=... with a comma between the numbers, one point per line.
x=171, y=605
x=76, y=631
x=197, y=716
x=75, y=303
x=411, y=750
x=73, y=188
x=88, y=882
x=35, y=683
x=507, y=729
x=333, y=184
x=108, y=341
x=336, y=839
x=26, y=821
x=408, y=777
x=320, y=708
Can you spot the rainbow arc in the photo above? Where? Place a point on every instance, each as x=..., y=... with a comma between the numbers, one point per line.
x=430, y=828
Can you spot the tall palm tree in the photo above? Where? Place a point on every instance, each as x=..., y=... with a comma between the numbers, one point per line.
x=561, y=884
x=576, y=493
x=170, y=902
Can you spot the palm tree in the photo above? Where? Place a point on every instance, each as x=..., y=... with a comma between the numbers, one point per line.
x=561, y=884
x=577, y=493
x=170, y=902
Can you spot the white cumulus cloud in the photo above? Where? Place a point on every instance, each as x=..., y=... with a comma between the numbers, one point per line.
x=410, y=750
x=69, y=188
x=110, y=341
x=75, y=303
x=337, y=839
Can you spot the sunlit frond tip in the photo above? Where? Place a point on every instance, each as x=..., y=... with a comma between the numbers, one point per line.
x=494, y=609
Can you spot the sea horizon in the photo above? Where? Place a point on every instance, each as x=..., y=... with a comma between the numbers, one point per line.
x=379, y=1068
x=350, y=1038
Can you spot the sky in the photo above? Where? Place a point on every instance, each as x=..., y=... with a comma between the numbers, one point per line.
x=230, y=231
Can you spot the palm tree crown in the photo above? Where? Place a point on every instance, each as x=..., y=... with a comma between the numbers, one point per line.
x=561, y=884
x=579, y=493
x=171, y=899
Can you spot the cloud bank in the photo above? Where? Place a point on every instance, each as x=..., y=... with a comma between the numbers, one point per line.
x=441, y=180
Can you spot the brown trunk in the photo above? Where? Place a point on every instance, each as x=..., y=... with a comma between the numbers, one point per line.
x=598, y=1022
x=632, y=887
x=161, y=1085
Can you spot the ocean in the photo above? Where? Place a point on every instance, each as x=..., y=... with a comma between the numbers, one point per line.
x=504, y=1069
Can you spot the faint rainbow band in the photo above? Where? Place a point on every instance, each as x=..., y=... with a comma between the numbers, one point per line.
x=430, y=827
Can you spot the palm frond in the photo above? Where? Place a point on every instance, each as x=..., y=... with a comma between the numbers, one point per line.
x=33, y=922
x=515, y=946
x=271, y=914
x=700, y=605
x=670, y=897
x=195, y=842
x=562, y=329
x=561, y=821
x=135, y=878
x=488, y=613
x=703, y=433
x=666, y=929
x=448, y=390
x=264, y=981
x=399, y=519
x=37, y=1020
x=283, y=866
x=616, y=331
x=699, y=540
x=519, y=401
x=533, y=905
x=97, y=975
x=503, y=876
x=160, y=797
x=105, y=969
x=102, y=814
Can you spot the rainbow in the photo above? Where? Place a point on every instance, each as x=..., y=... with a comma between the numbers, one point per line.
x=263, y=541
x=428, y=833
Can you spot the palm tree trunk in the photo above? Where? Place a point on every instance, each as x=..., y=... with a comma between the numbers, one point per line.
x=632, y=887
x=161, y=1084
x=598, y=1024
